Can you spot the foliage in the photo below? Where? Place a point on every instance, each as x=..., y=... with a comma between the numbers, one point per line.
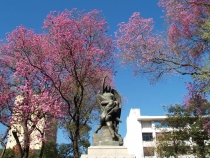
x=65, y=150
x=27, y=103
x=180, y=49
x=50, y=150
x=14, y=153
x=199, y=108
x=205, y=30
x=173, y=137
x=7, y=95
x=54, y=150
x=81, y=53
x=83, y=142
x=185, y=133
x=183, y=48
x=57, y=73
x=9, y=153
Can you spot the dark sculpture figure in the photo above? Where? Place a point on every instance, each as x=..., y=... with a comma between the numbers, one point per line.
x=110, y=104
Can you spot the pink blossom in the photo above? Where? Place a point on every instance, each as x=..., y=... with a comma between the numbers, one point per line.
x=57, y=73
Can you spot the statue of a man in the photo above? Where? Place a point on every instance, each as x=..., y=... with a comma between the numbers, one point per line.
x=110, y=103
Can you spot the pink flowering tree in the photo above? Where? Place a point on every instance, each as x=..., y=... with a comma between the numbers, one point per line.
x=181, y=49
x=196, y=102
x=33, y=112
x=59, y=71
x=80, y=53
x=7, y=95
x=24, y=92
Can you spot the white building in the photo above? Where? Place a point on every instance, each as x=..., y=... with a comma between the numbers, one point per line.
x=141, y=135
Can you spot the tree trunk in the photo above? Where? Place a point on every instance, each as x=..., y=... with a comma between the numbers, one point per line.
x=76, y=139
x=3, y=151
x=14, y=133
x=26, y=147
x=42, y=150
x=2, y=142
x=26, y=152
x=26, y=141
x=76, y=148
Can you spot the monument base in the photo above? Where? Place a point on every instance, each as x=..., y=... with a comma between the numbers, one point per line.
x=108, y=152
x=105, y=138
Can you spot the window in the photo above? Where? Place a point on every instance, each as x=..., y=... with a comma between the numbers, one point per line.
x=147, y=136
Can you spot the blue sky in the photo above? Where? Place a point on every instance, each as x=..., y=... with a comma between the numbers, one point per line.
x=138, y=92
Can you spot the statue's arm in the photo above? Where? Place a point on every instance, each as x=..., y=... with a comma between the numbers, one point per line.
x=103, y=84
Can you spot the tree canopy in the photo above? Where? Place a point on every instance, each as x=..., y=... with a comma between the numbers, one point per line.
x=57, y=72
x=182, y=48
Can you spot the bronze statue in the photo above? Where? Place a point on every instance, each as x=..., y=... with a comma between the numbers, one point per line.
x=110, y=104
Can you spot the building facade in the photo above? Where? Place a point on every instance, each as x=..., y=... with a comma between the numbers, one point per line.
x=142, y=134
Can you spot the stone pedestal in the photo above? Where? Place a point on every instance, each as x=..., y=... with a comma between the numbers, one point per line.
x=108, y=152
x=104, y=146
x=105, y=138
